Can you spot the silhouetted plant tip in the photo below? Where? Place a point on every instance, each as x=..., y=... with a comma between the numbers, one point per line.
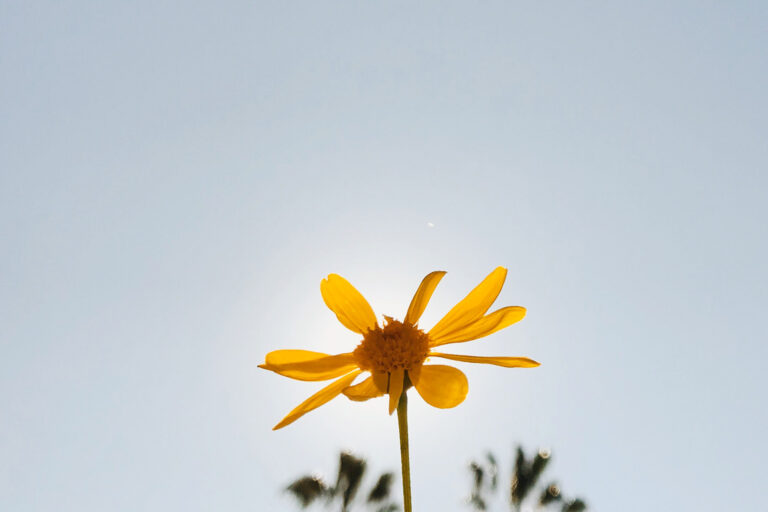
x=575, y=506
x=480, y=482
x=478, y=473
x=550, y=494
x=307, y=489
x=527, y=474
x=382, y=488
x=477, y=502
x=519, y=485
x=351, y=470
x=537, y=468
x=493, y=469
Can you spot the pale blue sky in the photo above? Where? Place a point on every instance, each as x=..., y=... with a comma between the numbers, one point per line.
x=177, y=177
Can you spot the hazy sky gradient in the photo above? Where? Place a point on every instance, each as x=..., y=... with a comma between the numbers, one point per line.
x=177, y=177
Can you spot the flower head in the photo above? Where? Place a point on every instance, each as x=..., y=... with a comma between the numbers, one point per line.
x=395, y=354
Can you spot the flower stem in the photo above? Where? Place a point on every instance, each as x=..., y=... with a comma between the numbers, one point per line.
x=402, y=423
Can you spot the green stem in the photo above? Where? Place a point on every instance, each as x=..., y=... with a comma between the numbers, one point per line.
x=405, y=461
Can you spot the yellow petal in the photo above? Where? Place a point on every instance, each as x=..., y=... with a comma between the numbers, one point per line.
x=484, y=326
x=440, y=386
x=364, y=391
x=350, y=306
x=381, y=379
x=307, y=365
x=506, y=362
x=473, y=306
x=280, y=357
x=422, y=296
x=321, y=397
x=395, y=388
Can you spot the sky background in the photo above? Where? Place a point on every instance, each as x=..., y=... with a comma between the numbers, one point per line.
x=176, y=178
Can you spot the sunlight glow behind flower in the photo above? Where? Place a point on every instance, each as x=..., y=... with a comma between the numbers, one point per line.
x=395, y=354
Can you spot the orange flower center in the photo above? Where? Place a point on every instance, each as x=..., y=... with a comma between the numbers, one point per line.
x=395, y=346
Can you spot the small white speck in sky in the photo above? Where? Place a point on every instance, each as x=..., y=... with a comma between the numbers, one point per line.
x=430, y=225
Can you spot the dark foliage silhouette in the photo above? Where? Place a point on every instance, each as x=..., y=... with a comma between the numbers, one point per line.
x=526, y=473
x=310, y=489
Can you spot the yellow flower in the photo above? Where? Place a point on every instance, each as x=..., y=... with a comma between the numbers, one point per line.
x=395, y=353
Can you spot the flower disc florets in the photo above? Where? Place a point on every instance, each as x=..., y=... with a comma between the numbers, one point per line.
x=395, y=346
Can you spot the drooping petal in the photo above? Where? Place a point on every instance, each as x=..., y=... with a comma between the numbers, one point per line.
x=395, y=388
x=473, y=306
x=381, y=379
x=506, y=362
x=364, y=391
x=350, y=306
x=308, y=365
x=323, y=396
x=481, y=327
x=439, y=385
x=422, y=296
